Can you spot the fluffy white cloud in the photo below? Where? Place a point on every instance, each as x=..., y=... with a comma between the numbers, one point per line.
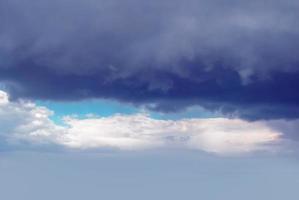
x=3, y=97
x=27, y=121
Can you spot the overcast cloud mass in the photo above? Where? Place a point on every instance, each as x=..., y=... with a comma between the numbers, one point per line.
x=234, y=56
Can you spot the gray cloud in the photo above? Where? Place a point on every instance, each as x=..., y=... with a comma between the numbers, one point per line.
x=149, y=52
x=79, y=36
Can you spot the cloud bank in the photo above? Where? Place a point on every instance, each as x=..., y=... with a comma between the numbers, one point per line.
x=25, y=121
x=166, y=55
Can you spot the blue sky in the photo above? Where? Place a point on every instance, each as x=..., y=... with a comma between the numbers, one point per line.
x=107, y=108
x=139, y=99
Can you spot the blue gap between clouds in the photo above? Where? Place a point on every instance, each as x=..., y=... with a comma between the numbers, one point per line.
x=106, y=108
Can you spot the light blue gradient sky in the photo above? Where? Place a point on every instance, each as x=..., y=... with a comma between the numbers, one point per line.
x=147, y=175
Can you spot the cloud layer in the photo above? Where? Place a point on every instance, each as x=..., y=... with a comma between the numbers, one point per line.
x=166, y=55
x=24, y=121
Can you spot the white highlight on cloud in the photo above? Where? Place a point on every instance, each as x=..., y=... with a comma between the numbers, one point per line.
x=25, y=121
x=3, y=97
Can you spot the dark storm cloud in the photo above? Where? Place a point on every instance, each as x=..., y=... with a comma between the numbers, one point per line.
x=237, y=56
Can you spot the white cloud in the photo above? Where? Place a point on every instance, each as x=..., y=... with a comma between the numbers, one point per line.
x=29, y=122
x=3, y=97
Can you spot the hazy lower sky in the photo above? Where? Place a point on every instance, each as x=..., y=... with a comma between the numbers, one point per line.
x=147, y=175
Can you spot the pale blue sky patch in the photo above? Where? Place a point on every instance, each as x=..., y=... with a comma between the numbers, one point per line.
x=103, y=108
x=106, y=108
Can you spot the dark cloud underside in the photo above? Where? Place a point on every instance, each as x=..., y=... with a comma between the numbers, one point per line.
x=237, y=56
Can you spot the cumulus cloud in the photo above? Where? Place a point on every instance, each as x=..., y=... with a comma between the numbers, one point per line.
x=170, y=53
x=25, y=121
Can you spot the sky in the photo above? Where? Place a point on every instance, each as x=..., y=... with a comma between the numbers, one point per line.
x=135, y=99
